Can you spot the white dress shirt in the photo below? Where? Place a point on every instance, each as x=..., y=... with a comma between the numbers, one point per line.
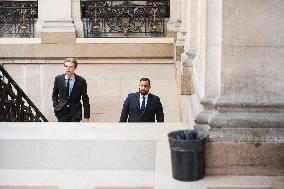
x=141, y=99
x=71, y=83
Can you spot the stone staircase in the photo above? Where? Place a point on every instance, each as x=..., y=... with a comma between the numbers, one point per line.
x=101, y=156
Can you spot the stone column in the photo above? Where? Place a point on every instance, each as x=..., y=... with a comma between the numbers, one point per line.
x=179, y=12
x=250, y=76
x=186, y=25
x=179, y=42
x=209, y=84
x=76, y=15
x=195, y=43
x=182, y=22
x=243, y=101
x=55, y=24
x=171, y=25
x=184, y=79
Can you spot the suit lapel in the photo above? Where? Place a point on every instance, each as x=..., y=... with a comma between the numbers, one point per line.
x=149, y=102
x=137, y=101
x=62, y=85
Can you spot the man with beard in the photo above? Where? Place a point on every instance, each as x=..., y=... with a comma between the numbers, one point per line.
x=68, y=91
x=142, y=106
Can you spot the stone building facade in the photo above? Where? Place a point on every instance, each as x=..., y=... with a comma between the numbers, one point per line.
x=220, y=68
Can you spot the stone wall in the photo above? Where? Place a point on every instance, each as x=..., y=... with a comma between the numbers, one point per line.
x=112, y=69
x=253, y=46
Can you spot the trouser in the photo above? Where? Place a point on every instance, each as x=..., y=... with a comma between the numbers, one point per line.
x=67, y=117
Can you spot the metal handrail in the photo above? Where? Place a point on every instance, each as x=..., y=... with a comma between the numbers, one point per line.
x=8, y=98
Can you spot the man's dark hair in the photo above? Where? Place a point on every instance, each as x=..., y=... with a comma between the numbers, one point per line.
x=145, y=79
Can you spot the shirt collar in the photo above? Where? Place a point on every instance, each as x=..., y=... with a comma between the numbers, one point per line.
x=146, y=96
x=71, y=78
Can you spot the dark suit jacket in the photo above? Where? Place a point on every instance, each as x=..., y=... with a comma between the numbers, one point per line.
x=60, y=97
x=131, y=109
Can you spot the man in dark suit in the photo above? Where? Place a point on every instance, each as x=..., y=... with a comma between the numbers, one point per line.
x=142, y=106
x=67, y=92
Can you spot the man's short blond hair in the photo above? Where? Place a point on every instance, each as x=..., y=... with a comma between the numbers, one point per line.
x=71, y=60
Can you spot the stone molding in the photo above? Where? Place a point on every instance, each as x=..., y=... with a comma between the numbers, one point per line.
x=87, y=50
x=58, y=26
x=257, y=135
x=229, y=113
x=83, y=60
x=257, y=105
x=203, y=116
x=61, y=32
x=247, y=119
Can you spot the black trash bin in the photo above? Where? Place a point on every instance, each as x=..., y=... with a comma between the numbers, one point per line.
x=188, y=154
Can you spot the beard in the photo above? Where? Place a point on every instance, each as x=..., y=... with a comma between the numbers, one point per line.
x=143, y=92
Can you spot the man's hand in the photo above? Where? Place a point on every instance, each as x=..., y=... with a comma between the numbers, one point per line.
x=85, y=120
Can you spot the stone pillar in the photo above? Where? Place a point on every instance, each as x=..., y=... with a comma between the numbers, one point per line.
x=55, y=23
x=250, y=76
x=185, y=70
x=179, y=12
x=186, y=85
x=76, y=15
x=207, y=71
x=186, y=25
x=171, y=25
x=182, y=22
x=195, y=43
x=243, y=101
x=179, y=42
x=185, y=16
x=193, y=20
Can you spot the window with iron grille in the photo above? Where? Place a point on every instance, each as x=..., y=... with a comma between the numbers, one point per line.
x=17, y=18
x=124, y=18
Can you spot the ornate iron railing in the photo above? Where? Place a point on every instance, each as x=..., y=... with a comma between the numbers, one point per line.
x=15, y=105
x=17, y=18
x=124, y=18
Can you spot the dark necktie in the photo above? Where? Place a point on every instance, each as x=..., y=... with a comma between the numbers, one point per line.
x=143, y=104
x=68, y=86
